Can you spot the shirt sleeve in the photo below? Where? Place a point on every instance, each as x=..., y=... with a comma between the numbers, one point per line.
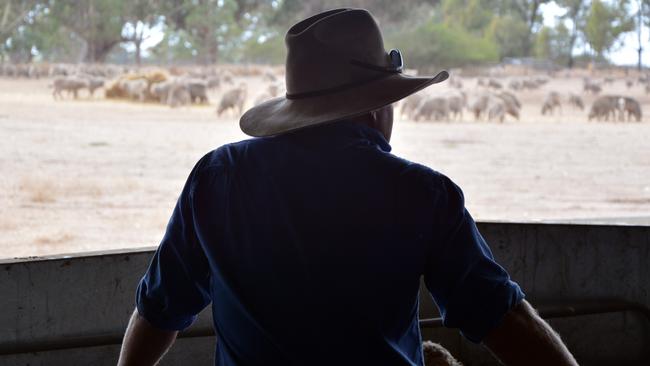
x=471, y=290
x=175, y=287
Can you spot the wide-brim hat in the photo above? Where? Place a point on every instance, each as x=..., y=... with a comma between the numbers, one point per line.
x=336, y=68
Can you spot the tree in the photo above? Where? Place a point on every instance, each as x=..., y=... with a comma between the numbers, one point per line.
x=528, y=12
x=141, y=17
x=553, y=43
x=98, y=23
x=577, y=11
x=13, y=14
x=472, y=15
x=605, y=25
x=510, y=35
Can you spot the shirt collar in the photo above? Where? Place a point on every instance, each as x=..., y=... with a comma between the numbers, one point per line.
x=341, y=133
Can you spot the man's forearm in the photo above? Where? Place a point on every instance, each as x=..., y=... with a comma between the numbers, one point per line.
x=144, y=344
x=523, y=338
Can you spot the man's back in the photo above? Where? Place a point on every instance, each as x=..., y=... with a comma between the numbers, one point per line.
x=311, y=247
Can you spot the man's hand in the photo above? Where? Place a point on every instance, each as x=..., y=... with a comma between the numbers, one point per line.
x=523, y=338
x=144, y=344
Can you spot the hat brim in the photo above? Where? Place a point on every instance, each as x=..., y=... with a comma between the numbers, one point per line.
x=280, y=115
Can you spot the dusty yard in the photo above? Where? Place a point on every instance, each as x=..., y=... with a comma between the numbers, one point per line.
x=95, y=174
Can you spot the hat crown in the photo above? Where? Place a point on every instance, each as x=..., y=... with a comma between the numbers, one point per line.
x=320, y=51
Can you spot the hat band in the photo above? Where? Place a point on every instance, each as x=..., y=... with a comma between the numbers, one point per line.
x=385, y=72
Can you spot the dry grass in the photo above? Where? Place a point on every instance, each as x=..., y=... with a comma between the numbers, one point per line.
x=55, y=239
x=43, y=189
x=39, y=190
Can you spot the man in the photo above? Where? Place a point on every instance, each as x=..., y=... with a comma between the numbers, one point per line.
x=311, y=240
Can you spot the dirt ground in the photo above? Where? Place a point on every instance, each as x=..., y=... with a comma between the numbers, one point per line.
x=92, y=174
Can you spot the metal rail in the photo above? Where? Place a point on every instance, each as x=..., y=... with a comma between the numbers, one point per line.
x=549, y=311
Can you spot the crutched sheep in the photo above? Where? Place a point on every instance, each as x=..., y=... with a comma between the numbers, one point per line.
x=233, y=99
x=511, y=103
x=94, y=83
x=496, y=110
x=135, y=89
x=457, y=104
x=551, y=102
x=492, y=83
x=631, y=108
x=432, y=108
x=604, y=107
x=160, y=90
x=591, y=87
x=410, y=104
x=198, y=90
x=178, y=94
x=479, y=106
x=71, y=84
x=576, y=101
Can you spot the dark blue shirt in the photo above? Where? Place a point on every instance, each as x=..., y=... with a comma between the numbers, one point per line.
x=311, y=246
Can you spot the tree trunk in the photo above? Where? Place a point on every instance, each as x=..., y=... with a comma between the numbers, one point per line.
x=138, y=52
x=639, y=26
x=531, y=24
x=98, y=50
x=571, y=45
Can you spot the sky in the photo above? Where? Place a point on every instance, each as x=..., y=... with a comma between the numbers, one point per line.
x=626, y=55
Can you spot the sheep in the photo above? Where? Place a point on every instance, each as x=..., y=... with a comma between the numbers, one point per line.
x=135, y=89
x=496, y=110
x=511, y=104
x=455, y=83
x=457, y=104
x=410, y=104
x=160, y=90
x=70, y=84
x=213, y=82
x=94, y=83
x=233, y=99
x=479, y=106
x=436, y=355
x=591, y=87
x=529, y=84
x=178, y=94
x=514, y=85
x=551, y=102
x=494, y=84
x=632, y=108
x=198, y=90
x=227, y=78
x=604, y=107
x=274, y=89
x=436, y=108
x=270, y=76
x=576, y=101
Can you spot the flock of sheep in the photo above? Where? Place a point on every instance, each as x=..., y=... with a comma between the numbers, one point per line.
x=487, y=99
x=175, y=86
x=491, y=100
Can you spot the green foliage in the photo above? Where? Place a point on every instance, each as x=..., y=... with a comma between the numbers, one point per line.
x=510, y=35
x=474, y=16
x=176, y=47
x=271, y=51
x=605, y=24
x=553, y=44
x=434, y=45
x=432, y=33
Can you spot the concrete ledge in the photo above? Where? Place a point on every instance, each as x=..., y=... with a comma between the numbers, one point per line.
x=49, y=299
